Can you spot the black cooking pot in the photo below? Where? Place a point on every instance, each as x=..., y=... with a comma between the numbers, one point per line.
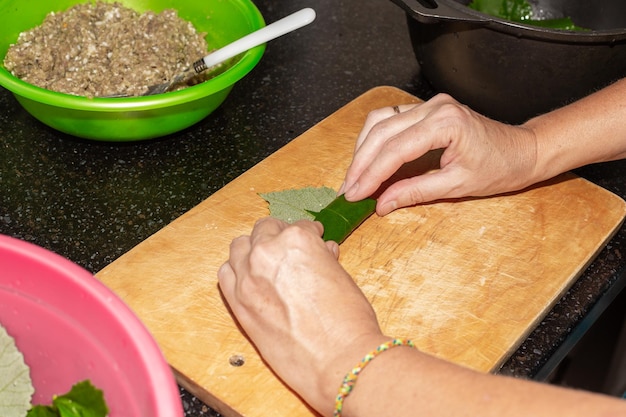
x=511, y=71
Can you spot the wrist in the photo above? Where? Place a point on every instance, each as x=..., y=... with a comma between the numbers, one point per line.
x=331, y=375
x=351, y=378
x=531, y=167
x=553, y=148
x=586, y=131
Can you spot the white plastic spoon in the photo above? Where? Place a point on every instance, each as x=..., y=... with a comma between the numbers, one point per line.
x=272, y=31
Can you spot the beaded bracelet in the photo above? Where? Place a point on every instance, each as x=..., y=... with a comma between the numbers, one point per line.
x=350, y=379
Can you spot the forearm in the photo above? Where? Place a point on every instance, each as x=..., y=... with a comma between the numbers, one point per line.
x=406, y=382
x=588, y=131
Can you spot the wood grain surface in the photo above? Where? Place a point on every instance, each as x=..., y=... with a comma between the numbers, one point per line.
x=467, y=280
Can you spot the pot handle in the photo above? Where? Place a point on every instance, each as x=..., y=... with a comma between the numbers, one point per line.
x=435, y=11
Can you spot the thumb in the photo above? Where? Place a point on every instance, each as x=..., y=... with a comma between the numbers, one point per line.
x=432, y=186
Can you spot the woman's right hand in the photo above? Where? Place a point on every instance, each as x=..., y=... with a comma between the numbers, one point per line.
x=480, y=156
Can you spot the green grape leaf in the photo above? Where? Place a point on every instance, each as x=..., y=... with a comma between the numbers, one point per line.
x=16, y=387
x=42, y=411
x=298, y=204
x=83, y=400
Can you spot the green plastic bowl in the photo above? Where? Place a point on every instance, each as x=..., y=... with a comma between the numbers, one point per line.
x=135, y=118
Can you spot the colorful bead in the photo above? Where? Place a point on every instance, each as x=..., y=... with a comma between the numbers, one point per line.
x=350, y=379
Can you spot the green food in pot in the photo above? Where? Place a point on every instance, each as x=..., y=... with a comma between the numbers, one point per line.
x=520, y=11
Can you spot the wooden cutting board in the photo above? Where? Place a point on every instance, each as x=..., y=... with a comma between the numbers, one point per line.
x=467, y=280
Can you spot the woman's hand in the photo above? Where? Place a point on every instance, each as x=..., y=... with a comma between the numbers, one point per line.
x=304, y=313
x=311, y=323
x=481, y=156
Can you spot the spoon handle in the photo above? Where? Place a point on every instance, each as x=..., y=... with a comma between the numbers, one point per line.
x=272, y=31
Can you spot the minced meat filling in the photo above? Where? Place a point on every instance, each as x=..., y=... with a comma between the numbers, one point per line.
x=104, y=49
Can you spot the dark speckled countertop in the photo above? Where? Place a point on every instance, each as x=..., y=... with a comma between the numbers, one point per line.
x=91, y=202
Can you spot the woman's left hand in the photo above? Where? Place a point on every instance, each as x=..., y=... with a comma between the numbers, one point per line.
x=302, y=310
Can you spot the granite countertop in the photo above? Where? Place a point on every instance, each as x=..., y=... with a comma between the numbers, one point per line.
x=93, y=201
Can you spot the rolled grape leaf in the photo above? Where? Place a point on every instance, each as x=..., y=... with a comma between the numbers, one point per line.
x=341, y=217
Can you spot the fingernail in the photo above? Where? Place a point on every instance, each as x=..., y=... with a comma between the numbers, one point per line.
x=343, y=185
x=222, y=270
x=388, y=207
x=352, y=190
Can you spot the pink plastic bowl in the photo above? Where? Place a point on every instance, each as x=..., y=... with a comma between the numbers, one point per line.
x=70, y=327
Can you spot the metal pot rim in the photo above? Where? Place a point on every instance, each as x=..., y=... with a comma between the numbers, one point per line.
x=439, y=11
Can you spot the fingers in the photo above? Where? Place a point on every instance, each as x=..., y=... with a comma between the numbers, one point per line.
x=380, y=125
x=419, y=189
x=389, y=140
x=227, y=275
x=226, y=279
x=313, y=227
x=387, y=143
x=377, y=116
x=241, y=247
x=396, y=151
x=265, y=228
x=270, y=226
x=381, y=156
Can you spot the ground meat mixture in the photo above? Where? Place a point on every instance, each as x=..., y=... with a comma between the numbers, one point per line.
x=103, y=49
